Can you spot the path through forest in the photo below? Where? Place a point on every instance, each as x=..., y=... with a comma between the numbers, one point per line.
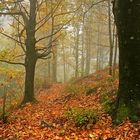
x=46, y=120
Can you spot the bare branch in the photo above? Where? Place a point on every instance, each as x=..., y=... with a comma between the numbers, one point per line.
x=18, y=56
x=19, y=36
x=93, y=4
x=69, y=12
x=40, y=39
x=16, y=13
x=14, y=63
x=61, y=26
x=39, y=5
x=48, y=16
x=10, y=13
x=21, y=33
x=12, y=38
x=43, y=55
x=47, y=50
x=18, y=20
x=24, y=9
x=45, y=58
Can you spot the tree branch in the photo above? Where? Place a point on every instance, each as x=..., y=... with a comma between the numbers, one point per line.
x=45, y=58
x=93, y=4
x=47, y=50
x=24, y=9
x=19, y=36
x=12, y=38
x=14, y=63
x=16, y=13
x=48, y=16
x=40, y=39
x=18, y=20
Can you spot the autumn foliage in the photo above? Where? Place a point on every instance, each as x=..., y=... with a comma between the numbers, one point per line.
x=48, y=119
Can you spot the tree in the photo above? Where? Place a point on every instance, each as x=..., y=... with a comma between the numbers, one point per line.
x=88, y=48
x=127, y=19
x=77, y=30
x=29, y=50
x=110, y=38
x=30, y=25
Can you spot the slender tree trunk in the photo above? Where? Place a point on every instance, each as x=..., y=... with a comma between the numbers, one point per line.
x=77, y=53
x=88, y=56
x=98, y=65
x=110, y=38
x=127, y=19
x=98, y=62
x=4, y=118
x=83, y=44
x=82, y=61
x=64, y=63
x=49, y=71
x=54, y=65
x=115, y=55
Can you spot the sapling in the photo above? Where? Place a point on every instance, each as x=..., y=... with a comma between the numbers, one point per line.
x=4, y=117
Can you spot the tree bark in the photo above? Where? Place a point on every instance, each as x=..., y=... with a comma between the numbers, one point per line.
x=98, y=62
x=127, y=19
x=54, y=65
x=110, y=38
x=64, y=63
x=83, y=46
x=77, y=52
x=31, y=56
x=29, y=81
x=49, y=71
x=88, y=52
x=115, y=55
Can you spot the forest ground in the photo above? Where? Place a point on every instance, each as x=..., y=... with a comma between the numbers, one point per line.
x=47, y=119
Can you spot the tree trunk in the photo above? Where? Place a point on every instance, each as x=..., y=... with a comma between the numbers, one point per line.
x=31, y=55
x=49, y=71
x=54, y=65
x=110, y=38
x=88, y=52
x=64, y=62
x=98, y=63
x=115, y=55
x=77, y=52
x=29, y=81
x=83, y=44
x=127, y=19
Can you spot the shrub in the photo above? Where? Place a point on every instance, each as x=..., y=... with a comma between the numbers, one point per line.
x=90, y=90
x=81, y=116
x=110, y=79
x=106, y=102
x=72, y=89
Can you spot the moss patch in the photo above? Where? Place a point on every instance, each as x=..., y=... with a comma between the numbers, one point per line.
x=122, y=113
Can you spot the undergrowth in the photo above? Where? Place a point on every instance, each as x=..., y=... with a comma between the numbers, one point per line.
x=81, y=116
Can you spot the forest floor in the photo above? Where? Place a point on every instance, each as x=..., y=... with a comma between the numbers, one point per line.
x=48, y=119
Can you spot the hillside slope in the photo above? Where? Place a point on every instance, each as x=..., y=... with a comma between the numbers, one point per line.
x=53, y=117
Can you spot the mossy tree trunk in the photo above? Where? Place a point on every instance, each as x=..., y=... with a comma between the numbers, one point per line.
x=127, y=17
